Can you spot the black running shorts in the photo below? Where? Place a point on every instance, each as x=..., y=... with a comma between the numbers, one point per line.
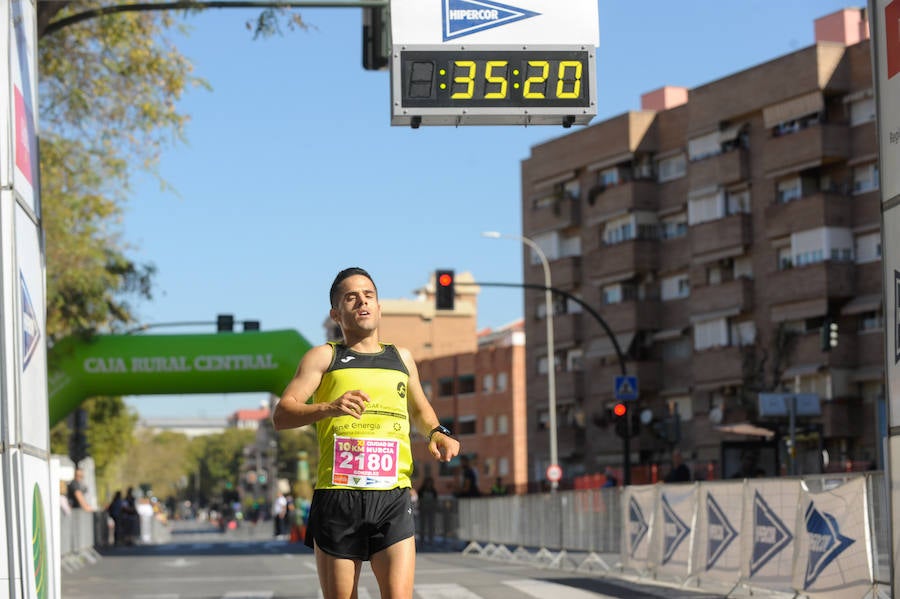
x=354, y=524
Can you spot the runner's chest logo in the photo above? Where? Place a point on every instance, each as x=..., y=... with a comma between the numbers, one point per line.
x=401, y=390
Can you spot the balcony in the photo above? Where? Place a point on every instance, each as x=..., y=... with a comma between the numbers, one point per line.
x=829, y=279
x=842, y=418
x=619, y=199
x=568, y=329
x=569, y=385
x=713, y=298
x=720, y=238
x=621, y=259
x=722, y=169
x=717, y=367
x=806, y=350
x=563, y=212
x=674, y=254
x=866, y=208
x=863, y=140
x=565, y=273
x=631, y=316
x=821, y=209
x=818, y=144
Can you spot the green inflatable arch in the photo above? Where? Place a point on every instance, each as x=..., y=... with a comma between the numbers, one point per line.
x=162, y=364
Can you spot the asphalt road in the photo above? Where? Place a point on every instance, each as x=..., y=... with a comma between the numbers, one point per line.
x=248, y=563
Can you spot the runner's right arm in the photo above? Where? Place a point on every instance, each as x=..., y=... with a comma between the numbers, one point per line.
x=293, y=410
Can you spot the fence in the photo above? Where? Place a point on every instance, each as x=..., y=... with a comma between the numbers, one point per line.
x=819, y=536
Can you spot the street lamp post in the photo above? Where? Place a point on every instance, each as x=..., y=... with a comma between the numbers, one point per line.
x=551, y=356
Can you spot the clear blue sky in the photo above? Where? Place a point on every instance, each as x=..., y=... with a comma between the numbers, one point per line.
x=291, y=170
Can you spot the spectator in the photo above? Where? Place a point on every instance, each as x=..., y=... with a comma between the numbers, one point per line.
x=64, y=498
x=499, y=488
x=279, y=514
x=679, y=472
x=469, y=487
x=611, y=479
x=77, y=492
x=428, y=506
x=114, y=511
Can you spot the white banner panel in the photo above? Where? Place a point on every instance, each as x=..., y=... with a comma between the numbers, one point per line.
x=519, y=22
x=55, y=526
x=717, y=538
x=891, y=257
x=832, y=546
x=24, y=101
x=37, y=490
x=672, y=529
x=770, y=517
x=5, y=108
x=886, y=37
x=31, y=319
x=638, y=510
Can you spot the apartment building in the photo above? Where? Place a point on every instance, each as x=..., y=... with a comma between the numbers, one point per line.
x=474, y=379
x=717, y=231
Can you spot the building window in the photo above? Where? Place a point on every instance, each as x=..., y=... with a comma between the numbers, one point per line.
x=711, y=333
x=503, y=467
x=738, y=201
x=466, y=384
x=789, y=190
x=671, y=168
x=677, y=349
x=683, y=406
x=608, y=177
x=785, y=260
x=618, y=231
x=677, y=287
x=674, y=226
x=502, y=378
x=549, y=244
x=743, y=267
x=487, y=383
x=865, y=178
x=575, y=360
x=744, y=333
x=706, y=208
x=488, y=425
x=445, y=387
x=465, y=425
x=862, y=111
x=871, y=321
x=868, y=248
x=543, y=420
x=502, y=424
x=426, y=387
x=704, y=146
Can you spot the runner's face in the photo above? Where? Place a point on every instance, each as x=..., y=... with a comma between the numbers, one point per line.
x=358, y=306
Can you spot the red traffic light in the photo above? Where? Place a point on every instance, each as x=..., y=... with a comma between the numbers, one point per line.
x=445, y=280
x=620, y=409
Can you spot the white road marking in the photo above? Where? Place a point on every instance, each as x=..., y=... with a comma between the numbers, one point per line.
x=444, y=591
x=543, y=589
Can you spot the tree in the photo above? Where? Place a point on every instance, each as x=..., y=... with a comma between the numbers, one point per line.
x=215, y=462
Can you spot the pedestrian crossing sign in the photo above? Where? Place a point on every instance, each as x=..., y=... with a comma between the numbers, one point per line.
x=626, y=388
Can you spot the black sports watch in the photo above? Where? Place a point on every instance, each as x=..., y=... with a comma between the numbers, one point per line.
x=439, y=429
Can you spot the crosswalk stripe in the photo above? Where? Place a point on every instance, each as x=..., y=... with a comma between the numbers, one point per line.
x=444, y=591
x=542, y=589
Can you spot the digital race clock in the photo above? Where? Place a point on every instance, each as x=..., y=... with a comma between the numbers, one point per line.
x=492, y=85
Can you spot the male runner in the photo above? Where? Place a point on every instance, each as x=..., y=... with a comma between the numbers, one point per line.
x=362, y=395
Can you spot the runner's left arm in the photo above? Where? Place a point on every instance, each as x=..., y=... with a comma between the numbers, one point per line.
x=423, y=416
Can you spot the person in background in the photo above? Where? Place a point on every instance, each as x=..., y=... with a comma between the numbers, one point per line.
x=469, y=486
x=279, y=515
x=428, y=507
x=498, y=488
x=611, y=479
x=77, y=492
x=679, y=472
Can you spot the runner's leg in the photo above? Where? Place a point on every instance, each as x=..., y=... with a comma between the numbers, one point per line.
x=338, y=576
x=395, y=569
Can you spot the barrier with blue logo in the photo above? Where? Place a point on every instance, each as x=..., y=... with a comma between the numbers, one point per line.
x=676, y=511
x=638, y=512
x=717, y=548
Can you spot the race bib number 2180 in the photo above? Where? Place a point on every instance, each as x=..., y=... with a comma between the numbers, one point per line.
x=365, y=463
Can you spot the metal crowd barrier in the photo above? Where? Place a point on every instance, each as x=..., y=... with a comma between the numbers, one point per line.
x=827, y=533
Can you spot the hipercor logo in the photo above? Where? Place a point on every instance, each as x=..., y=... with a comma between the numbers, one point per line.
x=825, y=542
x=464, y=17
x=637, y=525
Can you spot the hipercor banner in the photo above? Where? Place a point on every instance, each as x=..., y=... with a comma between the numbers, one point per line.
x=717, y=537
x=672, y=529
x=638, y=513
x=770, y=514
x=832, y=559
x=511, y=22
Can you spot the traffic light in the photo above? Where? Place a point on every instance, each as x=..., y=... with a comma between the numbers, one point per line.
x=78, y=443
x=225, y=323
x=376, y=37
x=620, y=416
x=829, y=334
x=445, y=292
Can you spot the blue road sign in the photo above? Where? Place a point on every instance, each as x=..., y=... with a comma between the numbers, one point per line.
x=626, y=388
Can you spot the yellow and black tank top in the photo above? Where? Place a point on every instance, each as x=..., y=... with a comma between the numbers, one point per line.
x=372, y=452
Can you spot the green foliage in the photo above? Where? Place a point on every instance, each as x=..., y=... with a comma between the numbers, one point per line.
x=159, y=460
x=214, y=461
x=110, y=434
x=290, y=442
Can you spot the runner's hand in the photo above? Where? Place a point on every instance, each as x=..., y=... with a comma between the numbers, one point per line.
x=352, y=403
x=442, y=447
